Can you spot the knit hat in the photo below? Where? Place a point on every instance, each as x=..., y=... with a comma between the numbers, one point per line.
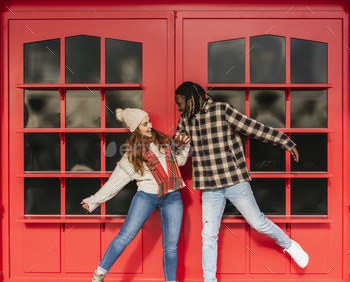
x=132, y=117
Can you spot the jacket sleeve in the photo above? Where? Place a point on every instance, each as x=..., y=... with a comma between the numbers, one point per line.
x=180, y=127
x=182, y=154
x=122, y=175
x=257, y=130
x=180, y=151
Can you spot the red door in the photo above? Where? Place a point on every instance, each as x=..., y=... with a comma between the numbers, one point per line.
x=66, y=77
x=285, y=73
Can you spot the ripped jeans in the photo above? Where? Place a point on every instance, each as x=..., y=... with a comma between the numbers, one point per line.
x=213, y=205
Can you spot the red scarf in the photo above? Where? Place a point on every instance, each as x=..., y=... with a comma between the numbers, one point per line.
x=171, y=180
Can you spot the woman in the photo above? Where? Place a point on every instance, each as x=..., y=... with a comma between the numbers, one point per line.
x=150, y=161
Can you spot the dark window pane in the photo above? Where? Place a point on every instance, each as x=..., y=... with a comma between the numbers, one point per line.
x=270, y=194
x=266, y=157
x=42, y=109
x=78, y=189
x=42, y=152
x=83, y=59
x=121, y=99
x=312, y=148
x=309, y=108
x=83, y=109
x=42, y=196
x=115, y=148
x=42, y=62
x=268, y=107
x=230, y=209
x=236, y=98
x=226, y=61
x=83, y=152
x=309, y=196
x=123, y=61
x=121, y=202
x=267, y=59
x=308, y=61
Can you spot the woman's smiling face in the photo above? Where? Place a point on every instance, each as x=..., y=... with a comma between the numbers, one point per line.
x=145, y=127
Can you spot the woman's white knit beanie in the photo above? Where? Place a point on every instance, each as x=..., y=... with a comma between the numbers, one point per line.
x=132, y=117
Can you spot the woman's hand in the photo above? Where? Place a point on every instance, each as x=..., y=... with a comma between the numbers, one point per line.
x=85, y=205
x=181, y=139
x=295, y=154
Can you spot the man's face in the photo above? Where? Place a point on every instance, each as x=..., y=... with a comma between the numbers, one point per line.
x=181, y=103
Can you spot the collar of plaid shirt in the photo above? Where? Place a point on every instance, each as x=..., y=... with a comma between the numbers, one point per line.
x=205, y=107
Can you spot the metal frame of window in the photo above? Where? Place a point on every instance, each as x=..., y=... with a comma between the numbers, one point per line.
x=62, y=131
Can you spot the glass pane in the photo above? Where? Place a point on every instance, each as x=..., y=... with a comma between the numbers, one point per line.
x=121, y=99
x=268, y=107
x=309, y=196
x=230, y=209
x=42, y=151
x=42, y=62
x=78, y=189
x=309, y=108
x=115, y=148
x=266, y=157
x=42, y=196
x=270, y=194
x=42, y=109
x=83, y=152
x=308, y=61
x=121, y=202
x=236, y=98
x=123, y=61
x=226, y=61
x=83, y=109
x=312, y=148
x=83, y=59
x=267, y=59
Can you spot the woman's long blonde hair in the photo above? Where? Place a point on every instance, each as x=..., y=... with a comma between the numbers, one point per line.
x=134, y=146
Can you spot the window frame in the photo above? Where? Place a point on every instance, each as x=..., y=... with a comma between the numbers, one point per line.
x=63, y=87
x=287, y=87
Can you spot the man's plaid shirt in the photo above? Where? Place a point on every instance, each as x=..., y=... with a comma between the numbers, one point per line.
x=218, y=157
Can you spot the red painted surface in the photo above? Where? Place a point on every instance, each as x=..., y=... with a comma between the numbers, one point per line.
x=55, y=249
x=73, y=246
x=315, y=233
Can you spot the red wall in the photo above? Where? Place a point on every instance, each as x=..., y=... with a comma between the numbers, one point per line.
x=183, y=60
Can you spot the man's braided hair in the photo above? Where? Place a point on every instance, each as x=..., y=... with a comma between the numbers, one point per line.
x=195, y=94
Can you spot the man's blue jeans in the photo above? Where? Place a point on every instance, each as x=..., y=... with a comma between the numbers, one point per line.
x=213, y=205
x=142, y=206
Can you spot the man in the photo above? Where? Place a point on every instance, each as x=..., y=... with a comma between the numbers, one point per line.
x=220, y=170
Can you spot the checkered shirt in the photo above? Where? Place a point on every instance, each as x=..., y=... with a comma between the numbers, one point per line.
x=217, y=149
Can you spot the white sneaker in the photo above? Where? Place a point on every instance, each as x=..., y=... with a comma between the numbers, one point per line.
x=298, y=254
x=98, y=277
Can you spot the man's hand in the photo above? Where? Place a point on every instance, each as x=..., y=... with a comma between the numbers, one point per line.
x=295, y=154
x=181, y=139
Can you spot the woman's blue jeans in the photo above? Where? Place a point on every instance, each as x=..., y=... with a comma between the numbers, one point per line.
x=213, y=205
x=142, y=206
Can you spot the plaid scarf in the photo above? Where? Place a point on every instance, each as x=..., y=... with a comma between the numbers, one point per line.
x=173, y=179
